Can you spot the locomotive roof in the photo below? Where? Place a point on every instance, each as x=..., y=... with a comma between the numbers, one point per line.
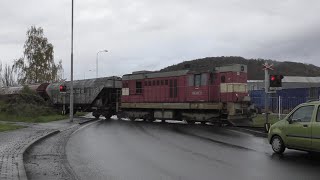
x=154, y=75
x=145, y=74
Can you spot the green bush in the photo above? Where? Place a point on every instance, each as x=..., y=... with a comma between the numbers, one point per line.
x=26, y=104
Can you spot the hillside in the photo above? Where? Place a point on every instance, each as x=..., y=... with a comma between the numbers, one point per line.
x=255, y=71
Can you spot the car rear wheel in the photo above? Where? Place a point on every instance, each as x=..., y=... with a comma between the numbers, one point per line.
x=277, y=145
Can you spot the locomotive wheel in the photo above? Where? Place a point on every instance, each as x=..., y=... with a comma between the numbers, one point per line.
x=108, y=116
x=191, y=122
x=203, y=122
x=150, y=120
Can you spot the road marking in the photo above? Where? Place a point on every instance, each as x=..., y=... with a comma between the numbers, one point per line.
x=85, y=126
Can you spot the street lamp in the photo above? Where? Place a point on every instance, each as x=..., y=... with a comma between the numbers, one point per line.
x=85, y=74
x=71, y=77
x=97, y=71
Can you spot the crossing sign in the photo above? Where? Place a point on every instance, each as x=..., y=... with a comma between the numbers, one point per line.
x=267, y=66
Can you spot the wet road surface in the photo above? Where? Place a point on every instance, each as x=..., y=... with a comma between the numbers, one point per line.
x=122, y=150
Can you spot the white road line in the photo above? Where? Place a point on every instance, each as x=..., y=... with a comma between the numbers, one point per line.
x=84, y=127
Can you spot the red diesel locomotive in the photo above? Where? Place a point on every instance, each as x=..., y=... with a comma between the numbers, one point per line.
x=217, y=96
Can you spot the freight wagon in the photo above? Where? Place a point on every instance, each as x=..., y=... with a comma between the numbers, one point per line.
x=100, y=95
x=37, y=88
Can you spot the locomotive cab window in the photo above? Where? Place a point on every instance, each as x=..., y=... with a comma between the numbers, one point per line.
x=204, y=79
x=125, y=84
x=197, y=80
x=138, y=87
x=223, y=79
x=212, y=78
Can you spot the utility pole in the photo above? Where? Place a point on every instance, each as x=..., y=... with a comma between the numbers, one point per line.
x=267, y=67
x=71, y=78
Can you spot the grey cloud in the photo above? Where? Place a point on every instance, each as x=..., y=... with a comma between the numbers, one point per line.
x=148, y=34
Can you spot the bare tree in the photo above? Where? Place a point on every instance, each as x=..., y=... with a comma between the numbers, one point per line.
x=0, y=74
x=8, y=76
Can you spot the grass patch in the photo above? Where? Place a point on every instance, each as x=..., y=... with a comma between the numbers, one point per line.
x=9, y=127
x=36, y=119
x=78, y=114
x=49, y=118
x=261, y=119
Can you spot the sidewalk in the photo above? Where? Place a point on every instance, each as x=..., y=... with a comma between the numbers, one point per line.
x=13, y=143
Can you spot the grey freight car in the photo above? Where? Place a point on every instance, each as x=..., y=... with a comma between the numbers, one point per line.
x=100, y=95
x=13, y=91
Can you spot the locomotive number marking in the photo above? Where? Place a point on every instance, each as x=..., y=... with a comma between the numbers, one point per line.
x=197, y=93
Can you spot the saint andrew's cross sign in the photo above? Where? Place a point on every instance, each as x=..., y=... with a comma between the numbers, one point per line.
x=267, y=66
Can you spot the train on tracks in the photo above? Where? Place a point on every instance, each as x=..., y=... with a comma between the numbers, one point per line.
x=218, y=96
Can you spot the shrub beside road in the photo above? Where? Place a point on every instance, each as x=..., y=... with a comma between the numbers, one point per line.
x=261, y=119
x=26, y=107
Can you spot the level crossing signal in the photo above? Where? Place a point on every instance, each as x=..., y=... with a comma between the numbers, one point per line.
x=275, y=80
x=63, y=88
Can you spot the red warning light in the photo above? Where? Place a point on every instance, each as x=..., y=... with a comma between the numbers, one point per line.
x=62, y=88
x=276, y=80
x=273, y=78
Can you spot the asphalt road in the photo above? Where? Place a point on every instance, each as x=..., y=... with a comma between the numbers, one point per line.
x=122, y=150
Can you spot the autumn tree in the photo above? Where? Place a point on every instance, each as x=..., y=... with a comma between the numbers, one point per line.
x=37, y=65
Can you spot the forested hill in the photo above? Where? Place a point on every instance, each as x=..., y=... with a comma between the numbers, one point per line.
x=255, y=71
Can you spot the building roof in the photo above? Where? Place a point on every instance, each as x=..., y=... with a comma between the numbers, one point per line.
x=293, y=79
x=289, y=82
x=301, y=79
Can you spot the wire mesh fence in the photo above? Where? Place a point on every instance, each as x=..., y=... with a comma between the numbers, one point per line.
x=282, y=105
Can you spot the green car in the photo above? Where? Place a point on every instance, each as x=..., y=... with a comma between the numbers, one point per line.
x=299, y=130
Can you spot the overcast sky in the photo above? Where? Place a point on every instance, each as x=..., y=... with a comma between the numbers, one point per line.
x=151, y=34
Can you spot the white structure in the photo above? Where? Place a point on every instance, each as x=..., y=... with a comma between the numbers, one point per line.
x=288, y=82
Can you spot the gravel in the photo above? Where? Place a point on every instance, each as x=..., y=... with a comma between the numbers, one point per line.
x=47, y=159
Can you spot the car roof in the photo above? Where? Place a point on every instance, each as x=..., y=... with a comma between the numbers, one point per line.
x=317, y=102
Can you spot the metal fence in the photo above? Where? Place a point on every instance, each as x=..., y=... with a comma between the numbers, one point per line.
x=281, y=105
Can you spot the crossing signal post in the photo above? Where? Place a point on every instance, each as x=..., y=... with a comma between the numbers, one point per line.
x=271, y=82
x=63, y=91
x=266, y=69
